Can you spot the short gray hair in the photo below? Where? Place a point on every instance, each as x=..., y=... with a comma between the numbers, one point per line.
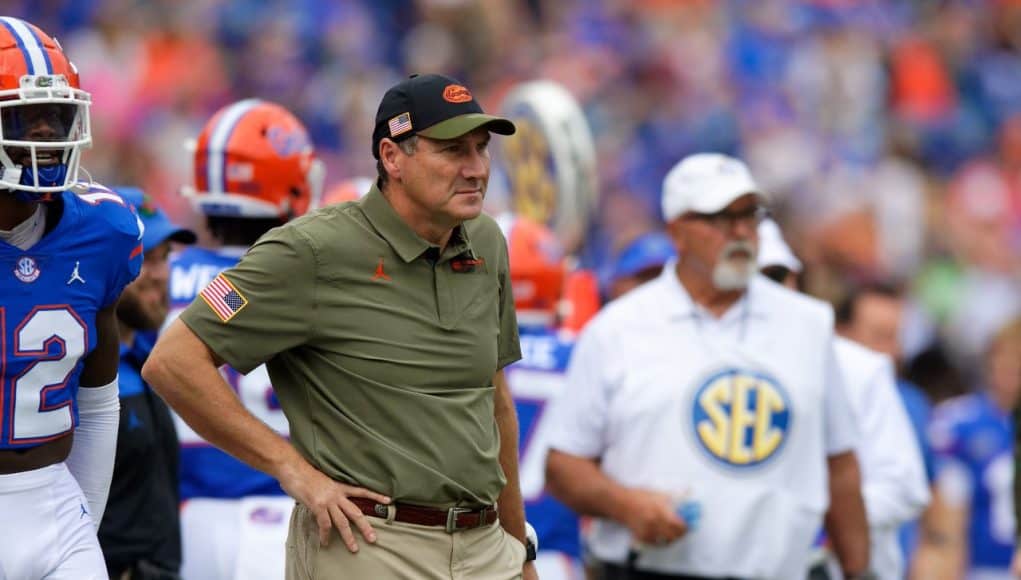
x=408, y=146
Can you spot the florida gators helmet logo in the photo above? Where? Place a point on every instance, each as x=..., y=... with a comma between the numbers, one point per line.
x=254, y=159
x=741, y=418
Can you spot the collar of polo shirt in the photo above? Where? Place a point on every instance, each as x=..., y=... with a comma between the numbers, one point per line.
x=405, y=242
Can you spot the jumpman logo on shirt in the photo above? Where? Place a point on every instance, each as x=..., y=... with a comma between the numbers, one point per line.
x=75, y=276
x=380, y=274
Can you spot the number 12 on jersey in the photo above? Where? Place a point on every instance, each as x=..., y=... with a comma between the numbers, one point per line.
x=31, y=401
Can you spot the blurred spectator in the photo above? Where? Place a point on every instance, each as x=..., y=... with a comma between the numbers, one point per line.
x=874, y=316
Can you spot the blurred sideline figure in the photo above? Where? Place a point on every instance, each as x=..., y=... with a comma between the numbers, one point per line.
x=538, y=271
x=638, y=262
x=969, y=530
x=703, y=413
x=873, y=315
x=145, y=472
x=894, y=484
x=254, y=169
x=67, y=250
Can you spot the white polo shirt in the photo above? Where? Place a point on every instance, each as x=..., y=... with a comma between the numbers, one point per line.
x=894, y=487
x=739, y=412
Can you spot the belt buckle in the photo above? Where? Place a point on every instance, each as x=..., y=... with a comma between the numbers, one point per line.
x=452, y=514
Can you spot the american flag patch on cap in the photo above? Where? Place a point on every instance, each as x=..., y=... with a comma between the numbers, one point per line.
x=400, y=124
x=223, y=298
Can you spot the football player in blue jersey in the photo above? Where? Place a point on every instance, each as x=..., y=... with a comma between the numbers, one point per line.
x=969, y=531
x=67, y=249
x=254, y=169
x=538, y=271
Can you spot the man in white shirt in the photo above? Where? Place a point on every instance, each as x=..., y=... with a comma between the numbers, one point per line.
x=709, y=385
x=894, y=484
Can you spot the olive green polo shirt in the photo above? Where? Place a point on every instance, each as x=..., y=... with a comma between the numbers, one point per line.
x=381, y=350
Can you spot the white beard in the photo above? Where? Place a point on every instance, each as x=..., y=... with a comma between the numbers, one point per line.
x=734, y=273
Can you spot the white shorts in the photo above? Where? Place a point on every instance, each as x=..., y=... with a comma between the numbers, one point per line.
x=46, y=530
x=234, y=539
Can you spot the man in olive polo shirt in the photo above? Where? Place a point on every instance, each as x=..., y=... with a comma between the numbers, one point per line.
x=385, y=325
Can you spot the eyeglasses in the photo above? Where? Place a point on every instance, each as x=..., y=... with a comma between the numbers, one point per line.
x=726, y=220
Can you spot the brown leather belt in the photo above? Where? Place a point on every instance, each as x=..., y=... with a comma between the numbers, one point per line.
x=452, y=519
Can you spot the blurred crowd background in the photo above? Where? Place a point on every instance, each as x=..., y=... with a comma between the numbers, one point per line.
x=888, y=132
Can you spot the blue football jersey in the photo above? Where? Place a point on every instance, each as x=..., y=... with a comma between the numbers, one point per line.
x=205, y=470
x=49, y=297
x=973, y=442
x=534, y=381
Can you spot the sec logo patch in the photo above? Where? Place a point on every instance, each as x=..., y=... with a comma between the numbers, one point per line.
x=741, y=418
x=26, y=270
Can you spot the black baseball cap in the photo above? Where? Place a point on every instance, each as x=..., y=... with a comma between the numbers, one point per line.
x=433, y=106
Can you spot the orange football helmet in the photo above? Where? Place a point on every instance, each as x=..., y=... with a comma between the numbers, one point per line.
x=537, y=268
x=254, y=159
x=44, y=114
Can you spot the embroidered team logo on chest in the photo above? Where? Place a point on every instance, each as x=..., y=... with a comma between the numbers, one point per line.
x=741, y=418
x=26, y=269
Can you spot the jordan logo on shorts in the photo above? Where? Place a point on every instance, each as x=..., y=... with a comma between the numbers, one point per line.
x=380, y=274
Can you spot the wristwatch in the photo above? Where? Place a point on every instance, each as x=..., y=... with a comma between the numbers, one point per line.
x=531, y=543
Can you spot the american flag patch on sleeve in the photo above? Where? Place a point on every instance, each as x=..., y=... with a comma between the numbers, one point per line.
x=223, y=298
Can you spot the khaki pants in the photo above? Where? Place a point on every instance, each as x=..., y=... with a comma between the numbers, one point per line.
x=403, y=551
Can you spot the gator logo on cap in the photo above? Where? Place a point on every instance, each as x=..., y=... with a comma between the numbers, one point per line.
x=456, y=94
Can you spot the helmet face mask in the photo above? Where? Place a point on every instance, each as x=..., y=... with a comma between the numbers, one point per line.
x=254, y=159
x=44, y=114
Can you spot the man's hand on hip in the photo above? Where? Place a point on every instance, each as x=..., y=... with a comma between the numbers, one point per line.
x=328, y=501
x=529, y=572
